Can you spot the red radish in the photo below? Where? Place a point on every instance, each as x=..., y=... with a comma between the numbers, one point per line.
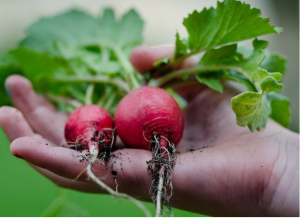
x=83, y=124
x=87, y=128
x=147, y=111
x=150, y=118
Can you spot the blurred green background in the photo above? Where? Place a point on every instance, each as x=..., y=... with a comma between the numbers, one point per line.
x=23, y=191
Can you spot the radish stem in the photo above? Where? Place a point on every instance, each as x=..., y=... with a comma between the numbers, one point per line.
x=94, y=79
x=68, y=101
x=89, y=94
x=129, y=71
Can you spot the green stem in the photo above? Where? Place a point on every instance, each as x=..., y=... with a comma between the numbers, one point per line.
x=89, y=94
x=107, y=105
x=127, y=67
x=178, y=84
x=171, y=64
x=95, y=79
x=189, y=71
x=68, y=101
x=101, y=101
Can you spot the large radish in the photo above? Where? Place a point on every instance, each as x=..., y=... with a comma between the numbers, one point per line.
x=150, y=118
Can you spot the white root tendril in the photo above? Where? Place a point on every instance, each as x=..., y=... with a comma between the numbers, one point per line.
x=160, y=167
x=158, y=198
x=94, y=154
x=90, y=174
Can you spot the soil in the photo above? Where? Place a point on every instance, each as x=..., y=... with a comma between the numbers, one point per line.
x=105, y=155
x=163, y=159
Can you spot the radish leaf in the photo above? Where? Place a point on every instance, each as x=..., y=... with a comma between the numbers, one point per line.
x=231, y=21
x=279, y=108
x=180, y=47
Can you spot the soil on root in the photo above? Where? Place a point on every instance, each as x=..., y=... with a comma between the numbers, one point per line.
x=160, y=167
x=104, y=157
x=102, y=154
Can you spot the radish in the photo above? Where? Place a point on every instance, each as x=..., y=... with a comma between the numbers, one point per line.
x=86, y=129
x=146, y=111
x=84, y=125
x=150, y=118
x=90, y=127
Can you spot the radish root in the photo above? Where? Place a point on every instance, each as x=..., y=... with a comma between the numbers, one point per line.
x=160, y=167
x=159, y=190
x=104, y=154
x=91, y=176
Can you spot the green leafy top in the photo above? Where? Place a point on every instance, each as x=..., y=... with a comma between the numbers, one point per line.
x=75, y=58
x=80, y=29
x=232, y=21
x=65, y=54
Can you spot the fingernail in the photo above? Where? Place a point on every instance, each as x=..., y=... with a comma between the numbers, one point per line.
x=18, y=156
x=7, y=90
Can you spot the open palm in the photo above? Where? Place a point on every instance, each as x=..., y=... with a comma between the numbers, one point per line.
x=221, y=169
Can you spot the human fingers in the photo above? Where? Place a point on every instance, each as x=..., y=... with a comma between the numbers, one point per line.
x=130, y=164
x=43, y=101
x=143, y=57
x=14, y=124
x=41, y=118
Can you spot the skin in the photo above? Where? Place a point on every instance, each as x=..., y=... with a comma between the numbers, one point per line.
x=145, y=111
x=231, y=172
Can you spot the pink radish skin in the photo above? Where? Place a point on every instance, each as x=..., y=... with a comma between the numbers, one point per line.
x=84, y=120
x=147, y=111
x=82, y=123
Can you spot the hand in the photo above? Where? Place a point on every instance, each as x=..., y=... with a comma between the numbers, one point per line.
x=229, y=172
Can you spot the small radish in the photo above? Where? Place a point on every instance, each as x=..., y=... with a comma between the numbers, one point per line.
x=84, y=125
x=150, y=118
x=86, y=129
x=90, y=128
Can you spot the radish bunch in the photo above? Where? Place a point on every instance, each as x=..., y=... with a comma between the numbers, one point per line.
x=147, y=118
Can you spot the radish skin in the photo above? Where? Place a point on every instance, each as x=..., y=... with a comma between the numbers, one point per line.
x=83, y=122
x=146, y=111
